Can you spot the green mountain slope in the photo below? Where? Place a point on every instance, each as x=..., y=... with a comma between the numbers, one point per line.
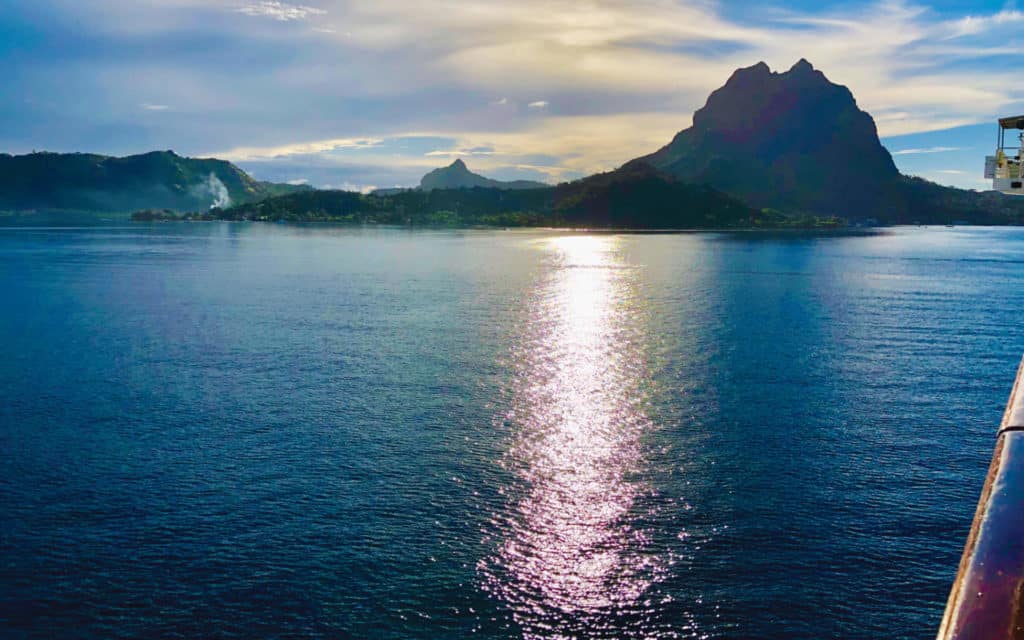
x=160, y=179
x=638, y=196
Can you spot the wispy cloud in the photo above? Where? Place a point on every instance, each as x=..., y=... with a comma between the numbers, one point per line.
x=299, y=148
x=352, y=186
x=557, y=147
x=973, y=25
x=625, y=77
x=279, y=10
x=907, y=152
x=895, y=56
x=465, y=151
x=154, y=107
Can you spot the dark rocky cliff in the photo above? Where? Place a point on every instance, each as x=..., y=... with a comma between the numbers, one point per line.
x=793, y=141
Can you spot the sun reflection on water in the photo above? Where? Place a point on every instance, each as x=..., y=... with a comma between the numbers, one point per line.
x=570, y=561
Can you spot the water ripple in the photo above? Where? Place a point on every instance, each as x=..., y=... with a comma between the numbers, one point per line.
x=571, y=559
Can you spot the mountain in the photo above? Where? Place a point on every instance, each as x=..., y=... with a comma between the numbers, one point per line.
x=638, y=197
x=792, y=141
x=458, y=176
x=796, y=142
x=767, y=149
x=641, y=197
x=159, y=179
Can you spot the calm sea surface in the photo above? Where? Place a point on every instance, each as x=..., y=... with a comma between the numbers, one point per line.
x=264, y=431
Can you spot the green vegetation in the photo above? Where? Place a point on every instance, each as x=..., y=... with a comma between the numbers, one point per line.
x=929, y=203
x=155, y=215
x=774, y=219
x=637, y=197
x=60, y=217
x=90, y=182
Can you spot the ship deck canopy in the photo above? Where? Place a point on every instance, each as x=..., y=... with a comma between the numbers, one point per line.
x=1013, y=122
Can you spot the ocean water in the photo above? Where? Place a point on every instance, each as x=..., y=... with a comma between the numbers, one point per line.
x=269, y=431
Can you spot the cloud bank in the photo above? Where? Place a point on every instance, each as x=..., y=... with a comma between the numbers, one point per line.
x=281, y=11
x=352, y=85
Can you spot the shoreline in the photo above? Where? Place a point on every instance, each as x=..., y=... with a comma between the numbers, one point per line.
x=851, y=230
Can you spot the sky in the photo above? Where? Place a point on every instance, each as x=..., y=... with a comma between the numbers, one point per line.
x=359, y=94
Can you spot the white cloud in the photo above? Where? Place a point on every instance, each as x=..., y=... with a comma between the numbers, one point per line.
x=898, y=123
x=954, y=172
x=457, y=153
x=560, y=147
x=625, y=76
x=297, y=182
x=299, y=148
x=281, y=11
x=154, y=107
x=351, y=186
x=539, y=104
x=923, y=150
x=973, y=25
x=894, y=55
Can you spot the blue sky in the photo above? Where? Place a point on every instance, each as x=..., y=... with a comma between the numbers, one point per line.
x=373, y=93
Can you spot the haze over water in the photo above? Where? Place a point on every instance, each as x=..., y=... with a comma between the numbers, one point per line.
x=227, y=430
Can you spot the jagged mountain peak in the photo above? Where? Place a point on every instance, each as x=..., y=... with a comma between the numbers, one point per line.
x=755, y=95
x=801, y=66
x=756, y=70
x=458, y=176
x=792, y=140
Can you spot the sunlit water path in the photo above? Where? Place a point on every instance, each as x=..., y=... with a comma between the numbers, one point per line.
x=572, y=560
x=244, y=430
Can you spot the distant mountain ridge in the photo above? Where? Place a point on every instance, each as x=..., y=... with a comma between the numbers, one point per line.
x=458, y=176
x=634, y=197
x=767, y=149
x=158, y=179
